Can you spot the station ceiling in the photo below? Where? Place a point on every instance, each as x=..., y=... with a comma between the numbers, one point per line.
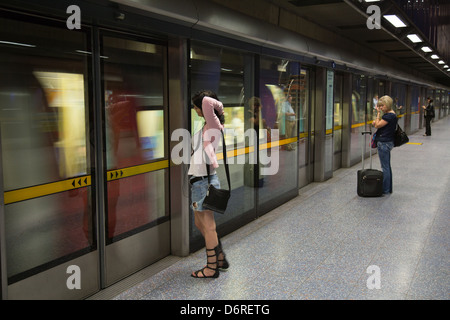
x=348, y=18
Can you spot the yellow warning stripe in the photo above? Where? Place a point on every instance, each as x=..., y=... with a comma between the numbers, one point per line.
x=78, y=182
x=357, y=125
x=135, y=170
x=84, y=181
x=241, y=151
x=415, y=143
x=46, y=189
x=277, y=143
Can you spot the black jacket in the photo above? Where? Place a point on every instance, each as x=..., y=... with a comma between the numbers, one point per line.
x=429, y=111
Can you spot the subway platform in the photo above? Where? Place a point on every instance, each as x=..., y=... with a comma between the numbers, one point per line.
x=330, y=244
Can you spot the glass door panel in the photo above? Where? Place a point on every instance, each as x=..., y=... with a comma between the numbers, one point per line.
x=228, y=73
x=304, y=145
x=338, y=117
x=358, y=116
x=46, y=154
x=280, y=92
x=135, y=110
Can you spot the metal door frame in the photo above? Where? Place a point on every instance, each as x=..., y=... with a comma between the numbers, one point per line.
x=3, y=273
x=52, y=283
x=115, y=259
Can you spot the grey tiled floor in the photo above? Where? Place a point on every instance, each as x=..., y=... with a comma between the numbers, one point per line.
x=320, y=244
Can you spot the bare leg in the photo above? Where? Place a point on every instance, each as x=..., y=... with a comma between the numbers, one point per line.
x=198, y=222
x=204, y=220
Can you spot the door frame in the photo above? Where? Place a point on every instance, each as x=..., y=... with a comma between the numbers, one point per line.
x=117, y=261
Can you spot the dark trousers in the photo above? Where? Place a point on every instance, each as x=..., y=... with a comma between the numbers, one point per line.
x=428, y=126
x=384, y=154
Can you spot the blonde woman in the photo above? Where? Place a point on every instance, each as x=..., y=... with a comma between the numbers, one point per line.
x=386, y=126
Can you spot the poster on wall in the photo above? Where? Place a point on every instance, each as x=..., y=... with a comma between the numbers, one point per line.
x=329, y=101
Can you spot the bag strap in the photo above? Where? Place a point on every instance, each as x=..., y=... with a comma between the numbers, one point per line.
x=200, y=133
x=224, y=150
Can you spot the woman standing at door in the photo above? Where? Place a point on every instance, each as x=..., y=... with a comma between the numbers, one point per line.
x=429, y=115
x=386, y=126
x=208, y=106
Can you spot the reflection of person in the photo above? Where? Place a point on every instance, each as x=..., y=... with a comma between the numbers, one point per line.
x=256, y=121
x=375, y=101
x=254, y=109
x=355, y=103
x=208, y=106
x=429, y=115
x=386, y=126
x=289, y=116
x=252, y=167
x=238, y=126
x=396, y=108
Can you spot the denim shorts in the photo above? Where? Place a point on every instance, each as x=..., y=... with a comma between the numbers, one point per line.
x=198, y=191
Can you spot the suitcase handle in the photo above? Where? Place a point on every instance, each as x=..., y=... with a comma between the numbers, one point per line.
x=363, y=149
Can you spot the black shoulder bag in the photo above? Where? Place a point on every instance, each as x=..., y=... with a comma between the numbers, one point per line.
x=400, y=137
x=217, y=199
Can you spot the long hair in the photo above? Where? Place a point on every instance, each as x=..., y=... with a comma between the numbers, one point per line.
x=197, y=99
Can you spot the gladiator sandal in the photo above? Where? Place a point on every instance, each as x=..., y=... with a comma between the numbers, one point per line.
x=223, y=263
x=209, y=265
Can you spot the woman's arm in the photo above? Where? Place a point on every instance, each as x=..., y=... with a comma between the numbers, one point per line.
x=212, y=134
x=208, y=106
x=378, y=122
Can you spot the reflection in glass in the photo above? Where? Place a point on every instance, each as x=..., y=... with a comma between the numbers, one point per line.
x=133, y=75
x=44, y=124
x=338, y=121
x=41, y=230
x=358, y=111
x=65, y=93
x=398, y=95
x=136, y=202
x=415, y=113
x=304, y=128
x=150, y=125
x=280, y=91
x=222, y=70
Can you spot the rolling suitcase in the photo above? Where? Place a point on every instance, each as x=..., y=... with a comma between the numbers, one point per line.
x=370, y=181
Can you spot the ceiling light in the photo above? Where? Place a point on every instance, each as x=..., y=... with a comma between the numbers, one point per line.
x=83, y=52
x=441, y=62
x=446, y=66
x=434, y=57
x=395, y=21
x=372, y=0
x=414, y=38
x=426, y=49
x=17, y=44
